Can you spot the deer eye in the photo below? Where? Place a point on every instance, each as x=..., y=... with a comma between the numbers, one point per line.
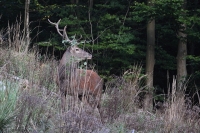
x=77, y=49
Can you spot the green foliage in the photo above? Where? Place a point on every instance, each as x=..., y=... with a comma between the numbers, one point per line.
x=168, y=62
x=194, y=59
x=142, y=11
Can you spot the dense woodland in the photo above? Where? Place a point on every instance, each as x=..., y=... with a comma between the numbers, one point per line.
x=161, y=35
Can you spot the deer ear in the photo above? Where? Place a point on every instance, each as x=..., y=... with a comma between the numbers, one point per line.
x=71, y=50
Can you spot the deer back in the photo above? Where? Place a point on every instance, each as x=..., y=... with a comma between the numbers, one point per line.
x=90, y=81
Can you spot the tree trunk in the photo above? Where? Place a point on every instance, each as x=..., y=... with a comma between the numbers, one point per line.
x=181, y=57
x=26, y=26
x=150, y=61
x=91, y=4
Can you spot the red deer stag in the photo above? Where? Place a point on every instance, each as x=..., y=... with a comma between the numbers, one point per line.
x=73, y=81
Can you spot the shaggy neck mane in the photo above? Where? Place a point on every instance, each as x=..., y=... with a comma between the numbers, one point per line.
x=67, y=66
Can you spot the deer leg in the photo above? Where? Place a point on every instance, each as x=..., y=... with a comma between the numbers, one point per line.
x=84, y=99
x=63, y=102
x=99, y=101
x=80, y=97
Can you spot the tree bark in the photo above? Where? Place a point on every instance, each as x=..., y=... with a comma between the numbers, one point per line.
x=150, y=61
x=91, y=2
x=26, y=26
x=181, y=57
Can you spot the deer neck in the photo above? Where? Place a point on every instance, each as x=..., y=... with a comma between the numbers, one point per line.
x=68, y=60
x=67, y=65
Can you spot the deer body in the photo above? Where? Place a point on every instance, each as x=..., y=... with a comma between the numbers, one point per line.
x=74, y=81
x=70, y=79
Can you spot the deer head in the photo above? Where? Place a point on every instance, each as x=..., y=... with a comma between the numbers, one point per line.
x=76, y=54
x=73, y=53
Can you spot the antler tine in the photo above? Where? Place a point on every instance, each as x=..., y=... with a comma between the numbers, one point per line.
x=80, y=38
x=65, y=33
x=56, y=25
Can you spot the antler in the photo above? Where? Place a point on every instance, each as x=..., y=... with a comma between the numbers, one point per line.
x=64, y=35
x=74, y=41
